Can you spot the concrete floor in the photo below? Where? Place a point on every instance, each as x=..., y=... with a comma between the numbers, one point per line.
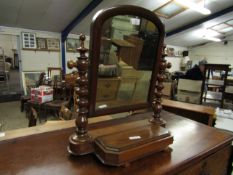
x=14, y=84
x=11, y=117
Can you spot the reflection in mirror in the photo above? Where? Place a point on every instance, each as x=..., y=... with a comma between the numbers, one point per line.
x=127, y=55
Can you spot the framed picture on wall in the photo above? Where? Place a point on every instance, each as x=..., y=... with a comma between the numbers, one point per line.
x=41, y=43
x=29, y=40
x=72, y=44
x=53, y=44
x=170, y=51
x=29, y=80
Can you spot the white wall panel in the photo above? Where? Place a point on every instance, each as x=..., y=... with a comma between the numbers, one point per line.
x=214, y=53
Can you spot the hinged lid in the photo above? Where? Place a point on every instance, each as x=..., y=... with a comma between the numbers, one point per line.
x=131, y=138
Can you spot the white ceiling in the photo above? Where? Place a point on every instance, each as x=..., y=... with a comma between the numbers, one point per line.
x=179, y=20
x=194, y=36
x=48, y=15
x=185, y=38
x=55, y=15
x=189, y=16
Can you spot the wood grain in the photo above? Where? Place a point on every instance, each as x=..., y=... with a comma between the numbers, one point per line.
x=46, y=153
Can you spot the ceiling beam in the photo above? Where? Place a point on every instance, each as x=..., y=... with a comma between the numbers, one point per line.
x=200, y=21
x=93, y=4
x=79, y=18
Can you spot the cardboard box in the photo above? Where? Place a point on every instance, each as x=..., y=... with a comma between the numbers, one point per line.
x=188, y=96
x=189, y=91
x=42, y=94
x=41, y=99
x=189, y=85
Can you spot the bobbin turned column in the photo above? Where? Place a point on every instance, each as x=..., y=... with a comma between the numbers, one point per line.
x=157, y=99
x=80, y=142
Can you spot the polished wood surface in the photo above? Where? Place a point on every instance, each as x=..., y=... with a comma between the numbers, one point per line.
x=79, y=142
x=200, y=113
x=187, y=106
x=124, y=143
x=122, y=43
x=46, y=153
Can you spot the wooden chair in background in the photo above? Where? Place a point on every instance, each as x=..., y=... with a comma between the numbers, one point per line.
x=55, y=72
x=27, y=97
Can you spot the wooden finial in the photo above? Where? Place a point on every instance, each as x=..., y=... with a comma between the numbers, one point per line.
x=80, y=142
x=156, y=103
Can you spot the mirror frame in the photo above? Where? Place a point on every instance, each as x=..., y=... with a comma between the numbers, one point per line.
x=94, y=54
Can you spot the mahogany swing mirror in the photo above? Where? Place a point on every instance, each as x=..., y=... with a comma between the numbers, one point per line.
x=125, y=74
x=126, y=43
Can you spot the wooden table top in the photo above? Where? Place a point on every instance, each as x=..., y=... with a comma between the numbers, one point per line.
x=122, y=43
x=46, y=153
x=188, y=106
x=215, y=82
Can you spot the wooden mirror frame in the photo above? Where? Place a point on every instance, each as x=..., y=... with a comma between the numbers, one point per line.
x=94, y=55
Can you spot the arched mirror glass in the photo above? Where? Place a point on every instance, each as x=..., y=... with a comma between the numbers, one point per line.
x=126, y=57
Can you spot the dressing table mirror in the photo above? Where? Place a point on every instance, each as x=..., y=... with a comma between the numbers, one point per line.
x=125, y=51
x=124, y=72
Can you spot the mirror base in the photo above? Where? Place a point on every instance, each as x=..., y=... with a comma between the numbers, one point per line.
x=158, y=121
x=80, y=146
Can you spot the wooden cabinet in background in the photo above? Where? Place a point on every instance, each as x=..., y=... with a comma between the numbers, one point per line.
x=107, y=88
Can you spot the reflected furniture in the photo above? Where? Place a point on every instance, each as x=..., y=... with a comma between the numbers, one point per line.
x=25, y=98
x=63, y=96
x=229, y=89
x=192, y=153
x=199, y=113
x=221, y=84
x=4, y=71
x=136, y=51
x=124, y=50
x=189, y=91
x=58, y=70
x=104, y=88
x=60, y=98
x=34, y=111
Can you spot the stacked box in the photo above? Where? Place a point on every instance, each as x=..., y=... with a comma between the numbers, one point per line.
x=42, y=94
x=189, y=91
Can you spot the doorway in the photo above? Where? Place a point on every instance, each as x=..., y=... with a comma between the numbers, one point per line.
x=10, y=74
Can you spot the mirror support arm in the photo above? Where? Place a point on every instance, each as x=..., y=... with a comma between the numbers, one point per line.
x=80, y=142
x=157, y=99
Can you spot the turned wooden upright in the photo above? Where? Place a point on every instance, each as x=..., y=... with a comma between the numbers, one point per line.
x=157, y=99
x=80, y=142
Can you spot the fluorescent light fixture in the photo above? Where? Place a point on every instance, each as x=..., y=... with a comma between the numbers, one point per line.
x=220, y=26
x=228, y=29
x=223, y=27
x=194, y=6
x=169, y=9
x=212, y=38
x=210, y=32
x=230, y=22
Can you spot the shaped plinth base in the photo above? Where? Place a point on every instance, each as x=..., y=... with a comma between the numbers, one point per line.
x=121, y=148
x=80, y=146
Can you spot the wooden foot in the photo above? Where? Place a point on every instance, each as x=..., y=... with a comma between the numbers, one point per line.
x=80, y=146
